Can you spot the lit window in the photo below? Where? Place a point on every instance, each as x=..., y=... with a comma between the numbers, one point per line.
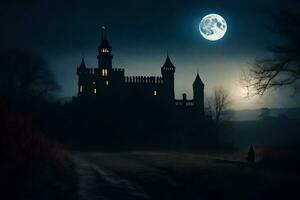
x=104, y=72
x=106, y=82
x=80, y=89
x=95, y=91
x=94, y=82
x=104, y=50
x=155, y=93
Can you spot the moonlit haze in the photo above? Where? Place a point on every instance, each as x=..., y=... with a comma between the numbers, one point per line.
x=141, y=33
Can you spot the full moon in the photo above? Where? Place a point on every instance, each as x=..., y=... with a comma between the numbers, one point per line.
x=213, y=27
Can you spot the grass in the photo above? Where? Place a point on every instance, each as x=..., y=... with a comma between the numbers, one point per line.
x=198, y=176
x=32, y=166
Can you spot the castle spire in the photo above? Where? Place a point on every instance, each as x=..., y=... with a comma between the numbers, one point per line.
x=198, y=92
x=167, y=72
x=103, y=33
x=82, y=65
x=168, y=62
x=104, y=42
x=198, y=81
x=104, y=57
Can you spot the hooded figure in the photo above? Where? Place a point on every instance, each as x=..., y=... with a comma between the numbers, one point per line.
x=251, y=155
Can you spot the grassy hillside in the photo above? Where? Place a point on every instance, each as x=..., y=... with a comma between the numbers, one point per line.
x=199, y=176
x=32, y=166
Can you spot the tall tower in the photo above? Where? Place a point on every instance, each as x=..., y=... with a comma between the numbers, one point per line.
x=81, y=72
x=167, y=71
x=198, y=90
x=104, y=57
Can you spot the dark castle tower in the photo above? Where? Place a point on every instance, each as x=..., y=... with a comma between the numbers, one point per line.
x=198, y=90
x=81, y=72
x=104, y=57
x=167, y=71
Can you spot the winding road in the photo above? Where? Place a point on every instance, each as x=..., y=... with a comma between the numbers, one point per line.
x=97, y=184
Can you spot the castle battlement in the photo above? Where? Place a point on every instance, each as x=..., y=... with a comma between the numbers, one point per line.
x=118, y=69
x=184, y=102
x=143, y=80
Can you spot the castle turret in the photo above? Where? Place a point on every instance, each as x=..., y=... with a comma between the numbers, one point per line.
x=104, y=57
x=82, y=64
x=81, y=72
x=167, y=71
x=198, y=90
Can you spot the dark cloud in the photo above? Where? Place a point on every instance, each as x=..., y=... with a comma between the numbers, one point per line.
x=73, y=24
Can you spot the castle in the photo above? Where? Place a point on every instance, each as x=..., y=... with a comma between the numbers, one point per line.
x=108, y=86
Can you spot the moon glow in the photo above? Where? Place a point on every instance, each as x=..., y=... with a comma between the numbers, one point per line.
x=213, y=27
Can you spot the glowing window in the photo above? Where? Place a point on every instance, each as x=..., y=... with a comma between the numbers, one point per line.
x=95, y=91
x=106, y=82
x=155, y=93
x=104, y=72
x=104, y=50
x=80, y=88
x=94, y=82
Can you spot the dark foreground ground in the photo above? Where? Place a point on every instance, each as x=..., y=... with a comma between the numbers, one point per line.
x=202, y=176
x=34, y=167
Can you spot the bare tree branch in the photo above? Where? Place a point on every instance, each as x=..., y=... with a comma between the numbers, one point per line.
x=283, y=67
x=220, y=102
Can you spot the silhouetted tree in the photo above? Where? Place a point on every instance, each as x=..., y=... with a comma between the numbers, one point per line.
x=220, y=102
x=24, y=73
x=251, y=154
x=246, y=80
x=282, y=68
x=217, y=104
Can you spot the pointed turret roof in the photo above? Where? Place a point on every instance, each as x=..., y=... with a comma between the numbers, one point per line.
x=198, y=80
x=104, y=41
x=168, y=62
x=82, y=65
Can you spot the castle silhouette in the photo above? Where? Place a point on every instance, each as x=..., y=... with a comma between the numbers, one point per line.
x=108, y=86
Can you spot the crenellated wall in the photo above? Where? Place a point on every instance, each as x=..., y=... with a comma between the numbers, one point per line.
x=182, y=102
x=118, y=70
x=143, y=80
x=115, y=85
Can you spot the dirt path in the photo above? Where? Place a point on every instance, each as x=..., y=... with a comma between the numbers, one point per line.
x=96, y=184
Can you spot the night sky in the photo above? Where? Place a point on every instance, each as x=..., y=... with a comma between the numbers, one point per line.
x=141, y=33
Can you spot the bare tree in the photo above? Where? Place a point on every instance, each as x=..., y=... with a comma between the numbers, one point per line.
x=25, y=73
x=218, y=103
x=246, y=81
x=282, y=67
x=221, y=101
